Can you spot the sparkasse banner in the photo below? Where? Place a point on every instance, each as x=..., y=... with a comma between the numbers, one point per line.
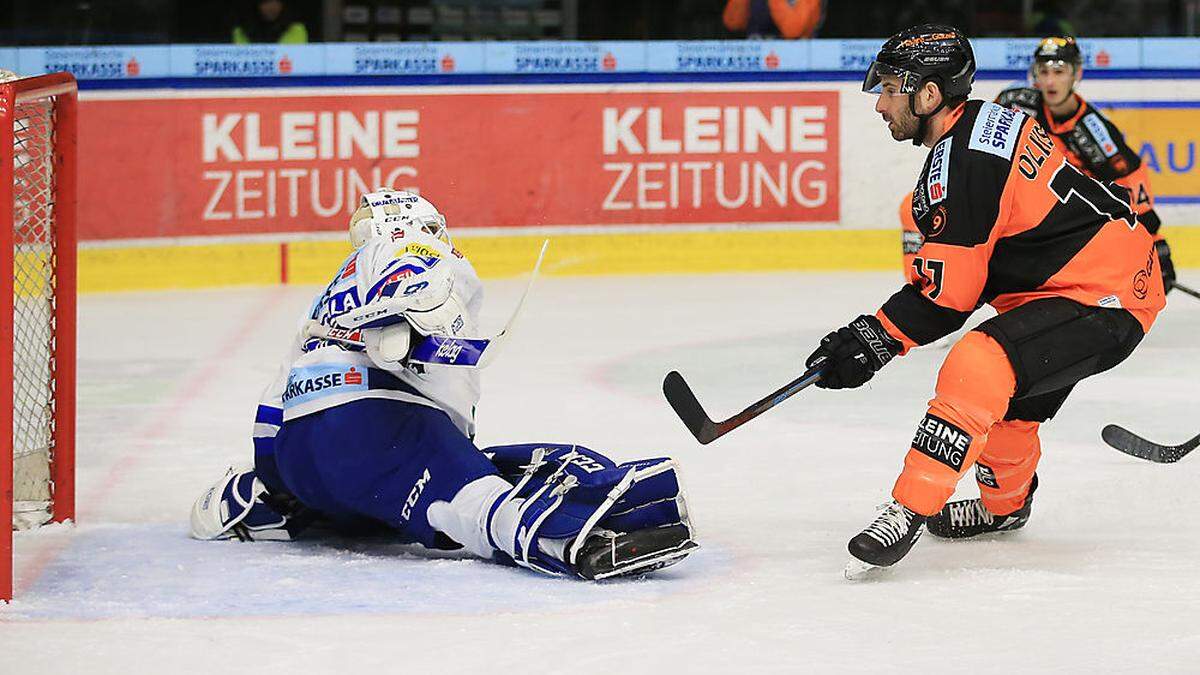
x=219, y=165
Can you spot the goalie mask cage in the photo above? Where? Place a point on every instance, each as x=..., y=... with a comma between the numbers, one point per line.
x=37, y=222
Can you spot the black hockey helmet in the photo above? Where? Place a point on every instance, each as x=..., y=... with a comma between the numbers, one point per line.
x=925, y=53
x=1058, y=50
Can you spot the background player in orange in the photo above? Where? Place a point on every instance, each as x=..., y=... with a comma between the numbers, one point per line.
x=1006, y=220
x=1090, y=140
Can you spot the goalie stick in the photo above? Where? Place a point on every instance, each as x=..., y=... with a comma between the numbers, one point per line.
x=1130, y=443
x=442, y=350
x=688, y=408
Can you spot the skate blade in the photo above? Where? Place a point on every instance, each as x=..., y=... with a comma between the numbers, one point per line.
x=857, y=570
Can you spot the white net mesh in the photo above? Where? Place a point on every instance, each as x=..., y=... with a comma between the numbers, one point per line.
x=33, y=310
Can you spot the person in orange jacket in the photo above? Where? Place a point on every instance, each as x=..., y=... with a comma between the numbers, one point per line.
x=790, y=19
x=1091, y=142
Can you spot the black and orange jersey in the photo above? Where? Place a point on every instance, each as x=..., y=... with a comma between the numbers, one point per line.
x=1093, y=144
x=1007, y=219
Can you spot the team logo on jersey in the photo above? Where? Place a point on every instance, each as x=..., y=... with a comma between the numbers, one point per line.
x=938, y=181
x=938, y=223
x=1141, y=280
x=995, y=130
x=942, y=441
x=1095, y=125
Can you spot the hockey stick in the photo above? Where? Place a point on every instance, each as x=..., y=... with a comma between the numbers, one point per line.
x=1188, y=290
x=1131, y=444
x=684, y=402
x=443, y=350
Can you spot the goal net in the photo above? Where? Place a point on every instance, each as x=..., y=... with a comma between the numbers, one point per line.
x=37, y=192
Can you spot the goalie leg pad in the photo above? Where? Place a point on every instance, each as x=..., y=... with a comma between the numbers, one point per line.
x=570, y=502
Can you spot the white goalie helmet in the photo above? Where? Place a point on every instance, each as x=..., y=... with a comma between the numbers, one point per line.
x=385, y=212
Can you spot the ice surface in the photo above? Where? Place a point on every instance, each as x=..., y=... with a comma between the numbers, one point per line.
x=1102, y=578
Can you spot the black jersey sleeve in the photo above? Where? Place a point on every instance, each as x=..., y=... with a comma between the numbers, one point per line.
x=956, y=205
x=1102, y=147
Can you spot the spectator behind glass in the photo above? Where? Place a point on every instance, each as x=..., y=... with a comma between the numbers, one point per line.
x=790, y=19
x=271, y=23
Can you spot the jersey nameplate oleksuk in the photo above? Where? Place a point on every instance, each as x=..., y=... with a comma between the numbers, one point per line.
x=995, y=130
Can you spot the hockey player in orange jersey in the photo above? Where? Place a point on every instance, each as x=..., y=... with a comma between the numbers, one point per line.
x=1006, y=220
x=1090, y=141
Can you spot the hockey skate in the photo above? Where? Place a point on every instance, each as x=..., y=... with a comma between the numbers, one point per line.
x=885, y=541
x=970, y=518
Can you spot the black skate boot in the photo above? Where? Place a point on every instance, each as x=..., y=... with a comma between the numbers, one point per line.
x=968, y=518
x=885, y=541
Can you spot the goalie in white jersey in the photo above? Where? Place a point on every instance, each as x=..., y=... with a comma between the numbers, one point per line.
x=370, y=425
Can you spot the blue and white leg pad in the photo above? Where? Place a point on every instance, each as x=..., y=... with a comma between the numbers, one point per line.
x=233, y=508
x=569, y=500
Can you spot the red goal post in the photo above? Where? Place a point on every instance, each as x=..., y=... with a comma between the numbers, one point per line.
x=37, y=223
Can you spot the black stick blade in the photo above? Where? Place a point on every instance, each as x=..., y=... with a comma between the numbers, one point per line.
x=688, y=408
x=1131, y=444
x=1185, y=289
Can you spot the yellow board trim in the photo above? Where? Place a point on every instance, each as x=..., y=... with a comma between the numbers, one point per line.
x=116, y=268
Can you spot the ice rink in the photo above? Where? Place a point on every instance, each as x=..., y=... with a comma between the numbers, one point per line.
x=1101, y=580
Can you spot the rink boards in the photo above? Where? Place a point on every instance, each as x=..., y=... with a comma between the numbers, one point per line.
x=254, y=186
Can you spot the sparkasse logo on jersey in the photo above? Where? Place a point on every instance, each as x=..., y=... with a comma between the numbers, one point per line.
x=995, y=129
x=306, y=384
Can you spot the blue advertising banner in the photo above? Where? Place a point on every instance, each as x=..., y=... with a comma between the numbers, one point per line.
x=404, y=58
x=726, y=56
x=565, y=57
x=247, y=60
x=1017, y=53
x=853, y=55
x=8, y=58
x=1170, y=52
x=96, y=63
x=481, y=60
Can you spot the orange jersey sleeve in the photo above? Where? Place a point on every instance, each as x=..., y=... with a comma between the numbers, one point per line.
x=910, y=238
x=1138, y=184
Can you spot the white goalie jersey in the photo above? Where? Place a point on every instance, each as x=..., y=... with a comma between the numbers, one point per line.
x=382, y=289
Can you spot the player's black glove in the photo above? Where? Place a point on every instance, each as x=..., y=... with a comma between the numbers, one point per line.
x=851, y=355
x=1164, y=261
